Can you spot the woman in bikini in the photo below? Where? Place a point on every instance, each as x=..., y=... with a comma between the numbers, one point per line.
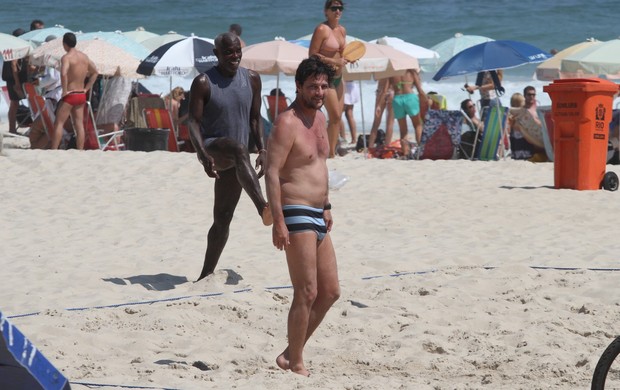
x=328, y=42
x=407, y=103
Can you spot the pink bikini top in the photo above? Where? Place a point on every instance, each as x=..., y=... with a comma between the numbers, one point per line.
x=331, y=45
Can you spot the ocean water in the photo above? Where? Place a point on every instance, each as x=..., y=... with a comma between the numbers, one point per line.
x=547, y=25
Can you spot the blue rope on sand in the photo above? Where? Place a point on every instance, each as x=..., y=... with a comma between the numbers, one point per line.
x=246, y=290
x=87, y=384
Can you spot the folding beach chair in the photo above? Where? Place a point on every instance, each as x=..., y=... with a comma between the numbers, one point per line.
x=488, y=147
x=31, y=92
x=441, y=135
x=159, y=118
x=545, y=117
x=98, y=140
x=439, y=102
x=272, y=109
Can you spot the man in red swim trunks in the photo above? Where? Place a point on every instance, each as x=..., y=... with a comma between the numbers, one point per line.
x=75, y=67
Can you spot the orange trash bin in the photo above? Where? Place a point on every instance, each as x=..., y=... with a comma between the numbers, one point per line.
x=581, y=111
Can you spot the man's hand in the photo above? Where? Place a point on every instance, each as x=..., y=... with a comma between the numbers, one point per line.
x=280, y=236
x=209, y=166
x=260, y=162
x=329, y=221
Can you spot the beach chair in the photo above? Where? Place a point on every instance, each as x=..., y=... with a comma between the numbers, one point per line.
x=441, y=135
x=136, y=106
x=545, y=117
x=487, y=148
x=159, y=118
x=439, y=102
x=22, y=365
x=31, y=92
x=270, y=104
x=99, y=140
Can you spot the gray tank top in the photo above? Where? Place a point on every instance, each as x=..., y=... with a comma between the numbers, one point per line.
x=227, y=114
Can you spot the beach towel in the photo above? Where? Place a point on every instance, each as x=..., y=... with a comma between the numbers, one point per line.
x=441, y=135
x=530, y=127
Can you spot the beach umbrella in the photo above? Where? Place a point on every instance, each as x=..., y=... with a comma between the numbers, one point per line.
x=595, y=61
x=110, y=60
x=492, y=55
x=117, y=38
x=13, y=48
x=549, y=70
x=380, y=61
x=411, y=49
x=37, y=37
x=186, y=57
x=272, y=58
x=140, y=34
x=155, y=42
x=449, y=48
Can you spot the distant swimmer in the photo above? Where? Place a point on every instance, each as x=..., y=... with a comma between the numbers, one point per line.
x=75, y=68
x=224, y=107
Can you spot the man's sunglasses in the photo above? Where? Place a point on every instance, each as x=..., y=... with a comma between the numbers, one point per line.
x=336, y=8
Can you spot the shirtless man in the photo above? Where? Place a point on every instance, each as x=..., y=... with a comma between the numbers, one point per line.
x=407, y=103
x=75, y=67
x=297, y=189
x=224, y=108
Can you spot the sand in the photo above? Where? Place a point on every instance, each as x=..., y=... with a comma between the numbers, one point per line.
x=438, y=261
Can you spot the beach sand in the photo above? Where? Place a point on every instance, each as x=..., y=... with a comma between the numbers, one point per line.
x=436, y=261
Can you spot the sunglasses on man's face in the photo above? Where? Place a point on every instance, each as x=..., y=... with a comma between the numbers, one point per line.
x=336, y=8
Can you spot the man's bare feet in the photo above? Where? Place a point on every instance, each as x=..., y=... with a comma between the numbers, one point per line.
x=267, y=217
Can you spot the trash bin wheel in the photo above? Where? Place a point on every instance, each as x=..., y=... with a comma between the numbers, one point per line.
x=610, y=181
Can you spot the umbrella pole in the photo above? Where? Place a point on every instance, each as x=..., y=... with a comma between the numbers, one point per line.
x=363, y=121
x=277, y=96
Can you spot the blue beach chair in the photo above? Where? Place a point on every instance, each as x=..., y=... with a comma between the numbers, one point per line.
x=22, y=365
x=487, y=147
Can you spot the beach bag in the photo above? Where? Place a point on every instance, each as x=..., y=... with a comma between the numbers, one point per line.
x=24, y=119
x=380, y=140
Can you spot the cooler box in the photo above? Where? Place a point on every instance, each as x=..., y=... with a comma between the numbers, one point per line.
x=146, y=140
x=581, y=111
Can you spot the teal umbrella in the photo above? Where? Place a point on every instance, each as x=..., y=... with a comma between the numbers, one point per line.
x=448, y=48
x=37, y=37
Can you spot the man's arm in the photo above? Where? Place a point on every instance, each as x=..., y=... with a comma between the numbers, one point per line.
x=199, y=95
x=64, y=74
x=256, y=122
x=280, y=144
x=92, y=75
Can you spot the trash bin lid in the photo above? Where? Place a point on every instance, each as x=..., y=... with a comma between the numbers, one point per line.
x=582, y=85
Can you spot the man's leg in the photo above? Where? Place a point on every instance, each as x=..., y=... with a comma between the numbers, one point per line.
x=227, y=194
x=230, y=154
x=379, y=108
x=77, y=112
x=62, y=113
x=314, y=276
x=12, y=116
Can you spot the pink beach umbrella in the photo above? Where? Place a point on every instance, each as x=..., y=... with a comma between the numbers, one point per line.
x=274, y=57
x=550, y=69
x=13, y=48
